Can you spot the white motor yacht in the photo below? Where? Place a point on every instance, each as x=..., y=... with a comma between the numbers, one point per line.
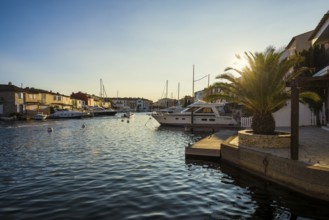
x=198, y=113
x=99, y=111
x=66, y=114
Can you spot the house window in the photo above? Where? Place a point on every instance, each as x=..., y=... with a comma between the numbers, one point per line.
x=20, y=95
x=57, y=97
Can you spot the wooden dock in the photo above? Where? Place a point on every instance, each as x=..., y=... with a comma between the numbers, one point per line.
x=209, y=146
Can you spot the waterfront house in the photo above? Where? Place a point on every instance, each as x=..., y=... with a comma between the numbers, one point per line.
x=132, y=104
x=166, y=103
x=299, y=43
x=106, y=103
x=320, y=36
x=83, y=97
x=77, y=103
x=61, y=101
x=35, y=101
x=144, y=105
x=11, y=100
x=303, y=42
x=102, y=102
x=88, y=100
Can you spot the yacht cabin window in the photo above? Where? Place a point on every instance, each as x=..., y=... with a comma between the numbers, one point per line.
x=205, y=110
x=191, y=109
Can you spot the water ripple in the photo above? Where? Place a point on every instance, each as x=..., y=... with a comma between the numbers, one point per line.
x=118, y=170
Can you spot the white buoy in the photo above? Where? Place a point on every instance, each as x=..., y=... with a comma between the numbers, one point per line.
x=50, y=129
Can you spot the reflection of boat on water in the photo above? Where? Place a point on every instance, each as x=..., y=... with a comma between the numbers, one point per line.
x=11, y=118
x=39, y=116
x=99, y=111
x=66, y=114
x=198, y=113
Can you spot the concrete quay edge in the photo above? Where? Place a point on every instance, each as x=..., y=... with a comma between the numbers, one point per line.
x=298, y=176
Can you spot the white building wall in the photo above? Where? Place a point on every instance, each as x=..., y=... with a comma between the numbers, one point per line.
x=283, y=116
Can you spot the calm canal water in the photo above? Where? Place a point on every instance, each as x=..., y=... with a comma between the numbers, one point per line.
x=117, y=170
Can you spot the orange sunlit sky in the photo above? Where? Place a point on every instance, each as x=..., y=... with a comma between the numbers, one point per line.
x=134, y=46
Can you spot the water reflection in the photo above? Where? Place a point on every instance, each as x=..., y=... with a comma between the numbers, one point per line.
x=116, y=170
x=270, y=201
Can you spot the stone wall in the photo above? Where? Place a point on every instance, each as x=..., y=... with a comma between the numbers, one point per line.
x=248, y=139
x=296, y=175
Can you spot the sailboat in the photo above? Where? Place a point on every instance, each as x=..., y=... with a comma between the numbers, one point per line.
x=173, y=108
x=98, y=110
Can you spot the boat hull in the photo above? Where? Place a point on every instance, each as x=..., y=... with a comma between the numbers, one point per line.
x=104, y=113
x=39, y=117
x=201, y=120
x=67, y=115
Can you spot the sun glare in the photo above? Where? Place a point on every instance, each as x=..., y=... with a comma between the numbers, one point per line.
x=240, y=62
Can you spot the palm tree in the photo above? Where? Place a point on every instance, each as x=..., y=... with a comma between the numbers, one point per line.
x=261, y=86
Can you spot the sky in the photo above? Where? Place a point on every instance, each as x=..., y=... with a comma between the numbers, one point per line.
x=135, y=46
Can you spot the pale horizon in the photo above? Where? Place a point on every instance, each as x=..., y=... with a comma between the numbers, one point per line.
x=135, y=46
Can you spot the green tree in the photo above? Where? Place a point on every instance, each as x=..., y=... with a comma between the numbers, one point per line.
x=261, y=86
x=315, y=58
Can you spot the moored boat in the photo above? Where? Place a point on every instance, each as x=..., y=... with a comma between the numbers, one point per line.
x=127, y=115
x=39, y=116
x=66, y=114
x=199, y=113
x=9, y=118
x=99, y=111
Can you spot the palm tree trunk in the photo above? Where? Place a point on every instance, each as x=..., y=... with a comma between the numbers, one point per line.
x=263, y=123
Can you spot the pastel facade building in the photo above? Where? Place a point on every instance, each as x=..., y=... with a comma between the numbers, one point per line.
x=11, y=100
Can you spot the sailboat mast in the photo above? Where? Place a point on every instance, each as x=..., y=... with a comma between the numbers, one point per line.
x=167, y=89
x=104, y=92
x=178, y=92
x=193, y=83
x=101, y=87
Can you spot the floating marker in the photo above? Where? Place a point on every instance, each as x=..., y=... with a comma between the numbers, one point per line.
x=50, y=129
